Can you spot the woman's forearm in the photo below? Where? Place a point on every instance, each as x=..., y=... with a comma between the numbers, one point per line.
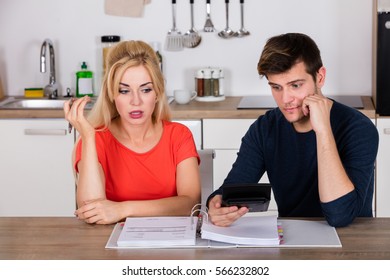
x=170, y=206
x=90, y=178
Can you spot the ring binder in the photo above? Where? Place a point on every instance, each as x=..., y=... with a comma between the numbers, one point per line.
x=193, y=211
x=200, y=218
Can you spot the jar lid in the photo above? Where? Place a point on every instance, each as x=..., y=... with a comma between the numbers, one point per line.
x=111, y=38
x=215, y=73
x=199, y=74
x=207, y=73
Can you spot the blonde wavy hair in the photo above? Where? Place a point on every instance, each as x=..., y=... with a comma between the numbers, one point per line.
x=124, y=55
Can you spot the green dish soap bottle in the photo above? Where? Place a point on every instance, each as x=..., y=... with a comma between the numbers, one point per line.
x=84, y=81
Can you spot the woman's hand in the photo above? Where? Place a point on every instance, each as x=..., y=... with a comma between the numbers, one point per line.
x=100, y=211
x=74, y=114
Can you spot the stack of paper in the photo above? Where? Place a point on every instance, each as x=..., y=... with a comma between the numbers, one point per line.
x=248, y=230
x=158, y=232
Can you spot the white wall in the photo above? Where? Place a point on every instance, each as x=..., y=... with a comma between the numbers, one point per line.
x=342, y=29
x=383, y=5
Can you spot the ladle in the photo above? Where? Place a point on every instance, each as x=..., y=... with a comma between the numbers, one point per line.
x=227, y=32
x=242, y=32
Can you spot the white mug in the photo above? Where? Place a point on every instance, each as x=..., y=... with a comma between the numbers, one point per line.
x=183, y=96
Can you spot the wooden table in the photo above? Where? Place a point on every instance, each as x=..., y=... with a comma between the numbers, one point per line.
x=67, y=238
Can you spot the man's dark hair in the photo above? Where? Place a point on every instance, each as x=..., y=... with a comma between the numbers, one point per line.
x=282, y=52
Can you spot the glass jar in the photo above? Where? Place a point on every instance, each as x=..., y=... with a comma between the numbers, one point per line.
x=215, y=82
x=199, y=79
x=108, y=41
x=207, y=86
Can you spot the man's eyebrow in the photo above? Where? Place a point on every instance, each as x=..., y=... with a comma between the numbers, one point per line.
x=296, y=81
x=273, y=84
x=289, y=83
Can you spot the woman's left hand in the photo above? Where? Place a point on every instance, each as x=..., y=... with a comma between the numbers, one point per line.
x=100, y=211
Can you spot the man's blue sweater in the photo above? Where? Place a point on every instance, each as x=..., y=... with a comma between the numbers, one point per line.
x=290, y=159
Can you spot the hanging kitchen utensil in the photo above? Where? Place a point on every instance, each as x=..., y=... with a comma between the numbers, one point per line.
x=227, y=32
x=191, y=38
x=208, y=26
x=174, y=39
x=242, y=32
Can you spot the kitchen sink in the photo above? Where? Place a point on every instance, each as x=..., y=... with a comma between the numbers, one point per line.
x=14, y=103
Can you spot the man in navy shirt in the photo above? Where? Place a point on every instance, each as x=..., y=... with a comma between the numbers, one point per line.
x=319, y=154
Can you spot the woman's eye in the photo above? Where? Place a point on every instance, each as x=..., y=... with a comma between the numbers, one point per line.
x=146, y=90
x=123, y=91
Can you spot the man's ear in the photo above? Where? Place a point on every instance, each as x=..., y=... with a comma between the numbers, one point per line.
x=321, y=73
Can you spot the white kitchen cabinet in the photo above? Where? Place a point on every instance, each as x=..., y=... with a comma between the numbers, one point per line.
x=224, y=137
x=382, y=168
x=35, y=165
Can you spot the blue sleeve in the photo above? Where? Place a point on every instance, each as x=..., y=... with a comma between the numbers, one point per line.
x=357, y=149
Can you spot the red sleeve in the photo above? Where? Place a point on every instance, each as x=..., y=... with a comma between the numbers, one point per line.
x=185, y=144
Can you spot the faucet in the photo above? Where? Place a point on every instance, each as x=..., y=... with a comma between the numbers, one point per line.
x=51, y=90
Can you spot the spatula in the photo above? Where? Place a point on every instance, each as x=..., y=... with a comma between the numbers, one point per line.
x=174, y=39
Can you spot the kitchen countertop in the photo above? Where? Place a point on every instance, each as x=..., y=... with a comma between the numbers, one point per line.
x=194, y=110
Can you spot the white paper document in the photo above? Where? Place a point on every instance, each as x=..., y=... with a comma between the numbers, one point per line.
x=248, y=230
x=158, y=231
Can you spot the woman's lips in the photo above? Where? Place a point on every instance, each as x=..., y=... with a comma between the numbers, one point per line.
x=136, y=114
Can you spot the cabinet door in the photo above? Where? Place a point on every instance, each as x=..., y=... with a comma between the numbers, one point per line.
x=224, y=133
x=224, y=137
x=35, y=166
x=382, y=169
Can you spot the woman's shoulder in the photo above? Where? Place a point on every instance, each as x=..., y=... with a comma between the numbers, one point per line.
x=176, y=132
x=104, y=137
x=175, y=127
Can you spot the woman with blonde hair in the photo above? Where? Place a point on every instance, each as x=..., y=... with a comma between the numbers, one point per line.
x=130, y=159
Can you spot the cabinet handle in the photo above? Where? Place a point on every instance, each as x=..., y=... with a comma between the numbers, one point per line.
x=29, y=131
x=386, y=130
